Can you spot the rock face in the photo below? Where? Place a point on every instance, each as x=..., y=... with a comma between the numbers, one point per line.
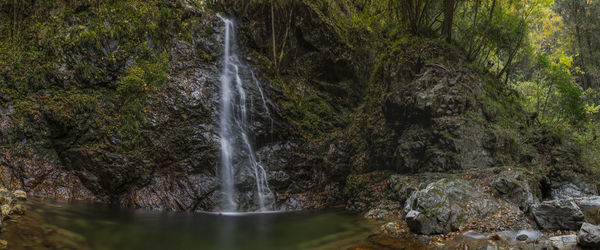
x=558, y=215
x=445, y=206
x=590, y=206
x=430, y=108
x=173, y=168
x=589, y=236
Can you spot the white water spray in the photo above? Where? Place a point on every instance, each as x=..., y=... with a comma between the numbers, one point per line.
x=236, y=148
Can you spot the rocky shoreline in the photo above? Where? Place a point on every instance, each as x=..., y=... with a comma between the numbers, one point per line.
x=502, y=210
x=23, y=229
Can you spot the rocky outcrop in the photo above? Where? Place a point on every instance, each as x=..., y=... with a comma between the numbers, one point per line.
x=430, y=108
x=446, y=205
x=558, y=215
x=589, y=236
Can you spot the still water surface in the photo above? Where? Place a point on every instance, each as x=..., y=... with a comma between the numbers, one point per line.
x=108, y=227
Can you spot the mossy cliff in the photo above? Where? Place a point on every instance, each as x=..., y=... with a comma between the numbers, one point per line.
x=99, y=96
x=118, y=101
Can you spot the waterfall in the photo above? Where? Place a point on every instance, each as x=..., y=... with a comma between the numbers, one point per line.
x=264, y=101
x=236, y=152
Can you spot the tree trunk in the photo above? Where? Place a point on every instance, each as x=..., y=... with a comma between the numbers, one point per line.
x=273, y=34
x=14, y=31
x=485, y=33
x=448, y=19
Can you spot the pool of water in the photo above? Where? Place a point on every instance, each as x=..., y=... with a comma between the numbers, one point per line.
x=107, y=227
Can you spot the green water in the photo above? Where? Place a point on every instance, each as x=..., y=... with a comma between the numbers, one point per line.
x=113, y=228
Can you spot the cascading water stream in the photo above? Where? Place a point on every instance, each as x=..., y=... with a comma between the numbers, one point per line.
x=264, y=101
x=236, y=148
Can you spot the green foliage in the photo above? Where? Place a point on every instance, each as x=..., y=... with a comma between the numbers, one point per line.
x=581, y=25
x=87, y=66
x=134, y=88
x=310, y=114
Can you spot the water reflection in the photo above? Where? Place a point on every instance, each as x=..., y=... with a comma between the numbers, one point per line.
x=108, y=227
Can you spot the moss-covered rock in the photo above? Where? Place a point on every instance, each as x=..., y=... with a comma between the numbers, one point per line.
x=447, y=205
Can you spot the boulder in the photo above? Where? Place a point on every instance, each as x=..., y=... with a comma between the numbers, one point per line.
x=6, y=197
x=513, y=190
x=19, y=209
x=589, y=236
x=590, y=206
x=446, y=205
x=5, y=210
x=557, y=215
x=20, y=195
x=528, y=235
x=563, y=242
x=566, y=190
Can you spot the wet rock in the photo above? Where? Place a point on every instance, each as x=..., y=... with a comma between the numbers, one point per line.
x=522, y=237
x=20, y=195
x=395, y=229
x=589, y=236
x=558, y=215
x=6, y=196
x=38, y=174
x=445, y=206
x=177, y=191
x=590, y=206
x=19, y=209
x=6, y=211
x=528, y=235
x=279, y=178
x=566, y=190
x=563, y=242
